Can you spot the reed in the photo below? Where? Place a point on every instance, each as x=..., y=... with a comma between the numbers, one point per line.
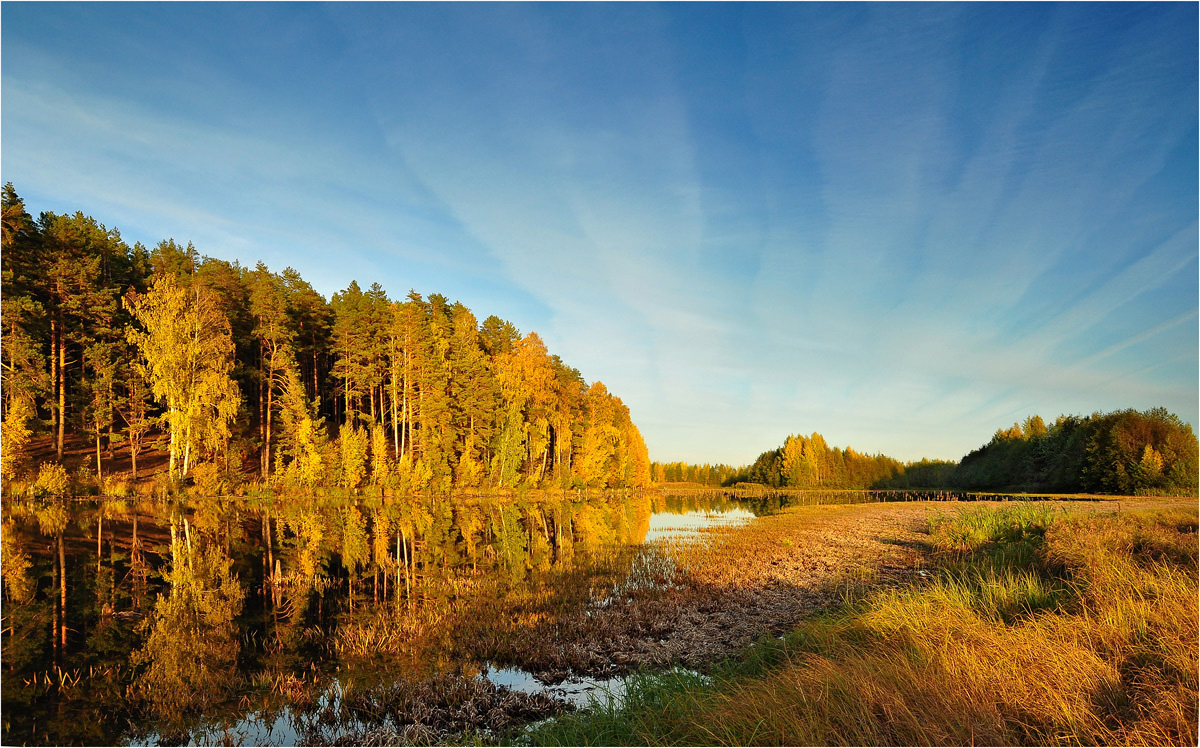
x=1085, y=635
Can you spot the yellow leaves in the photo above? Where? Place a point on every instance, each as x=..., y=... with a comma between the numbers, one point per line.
x=1151, y=464
x=355, y=551
x=14, y=437
x=381, y=537
x=16, y=564
x=52, y=480
x=469, y=470
x=353, y=443
x=613, y=451
x=207, y=479
x=188, y=350
x=310, y=531
x=311, y=467
x=380, y=464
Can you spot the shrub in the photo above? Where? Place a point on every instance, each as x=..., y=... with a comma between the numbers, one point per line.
x=52, y=480
x=207, y=479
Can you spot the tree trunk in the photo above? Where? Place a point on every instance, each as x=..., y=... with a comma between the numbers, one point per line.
x=62, y=392
x=62, y=586
x=112, y=399
x=54, y=415
x=173, y=417
x=407, y=415
x=395, y=418
x=187, y=532
x=174, y=555
x=263, y=388
x=270, y=404
x=54, y=623
x=316, y=389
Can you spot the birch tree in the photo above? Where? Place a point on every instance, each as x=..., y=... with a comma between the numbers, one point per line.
x=188, y=349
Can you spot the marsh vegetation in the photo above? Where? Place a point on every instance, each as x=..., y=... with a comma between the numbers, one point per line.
x=175, y=618
x=374, y=621
x=1035, y=624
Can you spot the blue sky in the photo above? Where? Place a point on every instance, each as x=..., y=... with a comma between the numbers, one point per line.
x=902, y=226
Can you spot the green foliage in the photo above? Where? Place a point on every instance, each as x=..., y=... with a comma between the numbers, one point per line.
x=682, y=472
x=1125, y=452
x=926, y=474
x=808, y=462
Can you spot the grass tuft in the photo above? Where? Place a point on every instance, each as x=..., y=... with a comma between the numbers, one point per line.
x=1037, y=626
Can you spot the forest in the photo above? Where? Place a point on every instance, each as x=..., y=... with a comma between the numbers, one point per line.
x=247, y=376
x=250, y=377
x=809, y=462
x=1125, y=452
x=682, y=472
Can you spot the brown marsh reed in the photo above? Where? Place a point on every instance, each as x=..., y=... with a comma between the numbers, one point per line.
x=1035, y=627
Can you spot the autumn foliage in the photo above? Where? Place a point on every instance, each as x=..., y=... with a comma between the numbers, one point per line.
x=256, y=375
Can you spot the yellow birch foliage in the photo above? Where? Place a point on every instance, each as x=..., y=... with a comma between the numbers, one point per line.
x=187, y=349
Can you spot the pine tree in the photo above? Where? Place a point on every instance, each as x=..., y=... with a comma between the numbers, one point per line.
x=22, y=319
x=268, y=306
x=472, y=390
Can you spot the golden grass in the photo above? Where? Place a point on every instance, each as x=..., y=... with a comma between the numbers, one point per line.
x=1091, y=638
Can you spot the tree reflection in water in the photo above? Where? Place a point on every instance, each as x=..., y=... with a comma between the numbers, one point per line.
x=189, y=659
x=123, y=618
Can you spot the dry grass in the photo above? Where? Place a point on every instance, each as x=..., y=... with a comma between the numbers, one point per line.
x=1037, y=628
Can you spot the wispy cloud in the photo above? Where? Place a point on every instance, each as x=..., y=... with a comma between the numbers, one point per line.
x=902, y=226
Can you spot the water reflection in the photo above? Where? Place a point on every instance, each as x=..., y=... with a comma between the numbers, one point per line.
x=125, y=619
x=220, y=620
x=689, y=525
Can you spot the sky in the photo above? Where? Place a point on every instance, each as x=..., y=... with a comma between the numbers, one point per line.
x=902, y=226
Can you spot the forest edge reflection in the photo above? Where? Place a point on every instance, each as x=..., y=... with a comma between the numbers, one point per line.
x=125, y=614
x=220, y=608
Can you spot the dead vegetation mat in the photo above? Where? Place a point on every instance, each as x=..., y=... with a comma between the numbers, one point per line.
x=735, y=586
x=713, y=597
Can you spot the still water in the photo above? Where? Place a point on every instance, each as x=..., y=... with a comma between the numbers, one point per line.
x=215, y=620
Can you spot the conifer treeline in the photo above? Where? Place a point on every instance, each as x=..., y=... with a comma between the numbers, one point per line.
x=234, y=367
x=1125, y=452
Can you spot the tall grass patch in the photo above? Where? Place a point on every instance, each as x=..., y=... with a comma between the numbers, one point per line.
x=1036, y=627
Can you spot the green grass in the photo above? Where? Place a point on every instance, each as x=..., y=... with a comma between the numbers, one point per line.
x=1036, y=627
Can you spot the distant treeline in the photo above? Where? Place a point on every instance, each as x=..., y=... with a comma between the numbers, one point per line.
x=808, y=462
x=681, y=472
x=1126, y=452
x=246, y=374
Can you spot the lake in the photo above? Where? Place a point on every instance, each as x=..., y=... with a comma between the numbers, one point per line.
x=276, y=621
